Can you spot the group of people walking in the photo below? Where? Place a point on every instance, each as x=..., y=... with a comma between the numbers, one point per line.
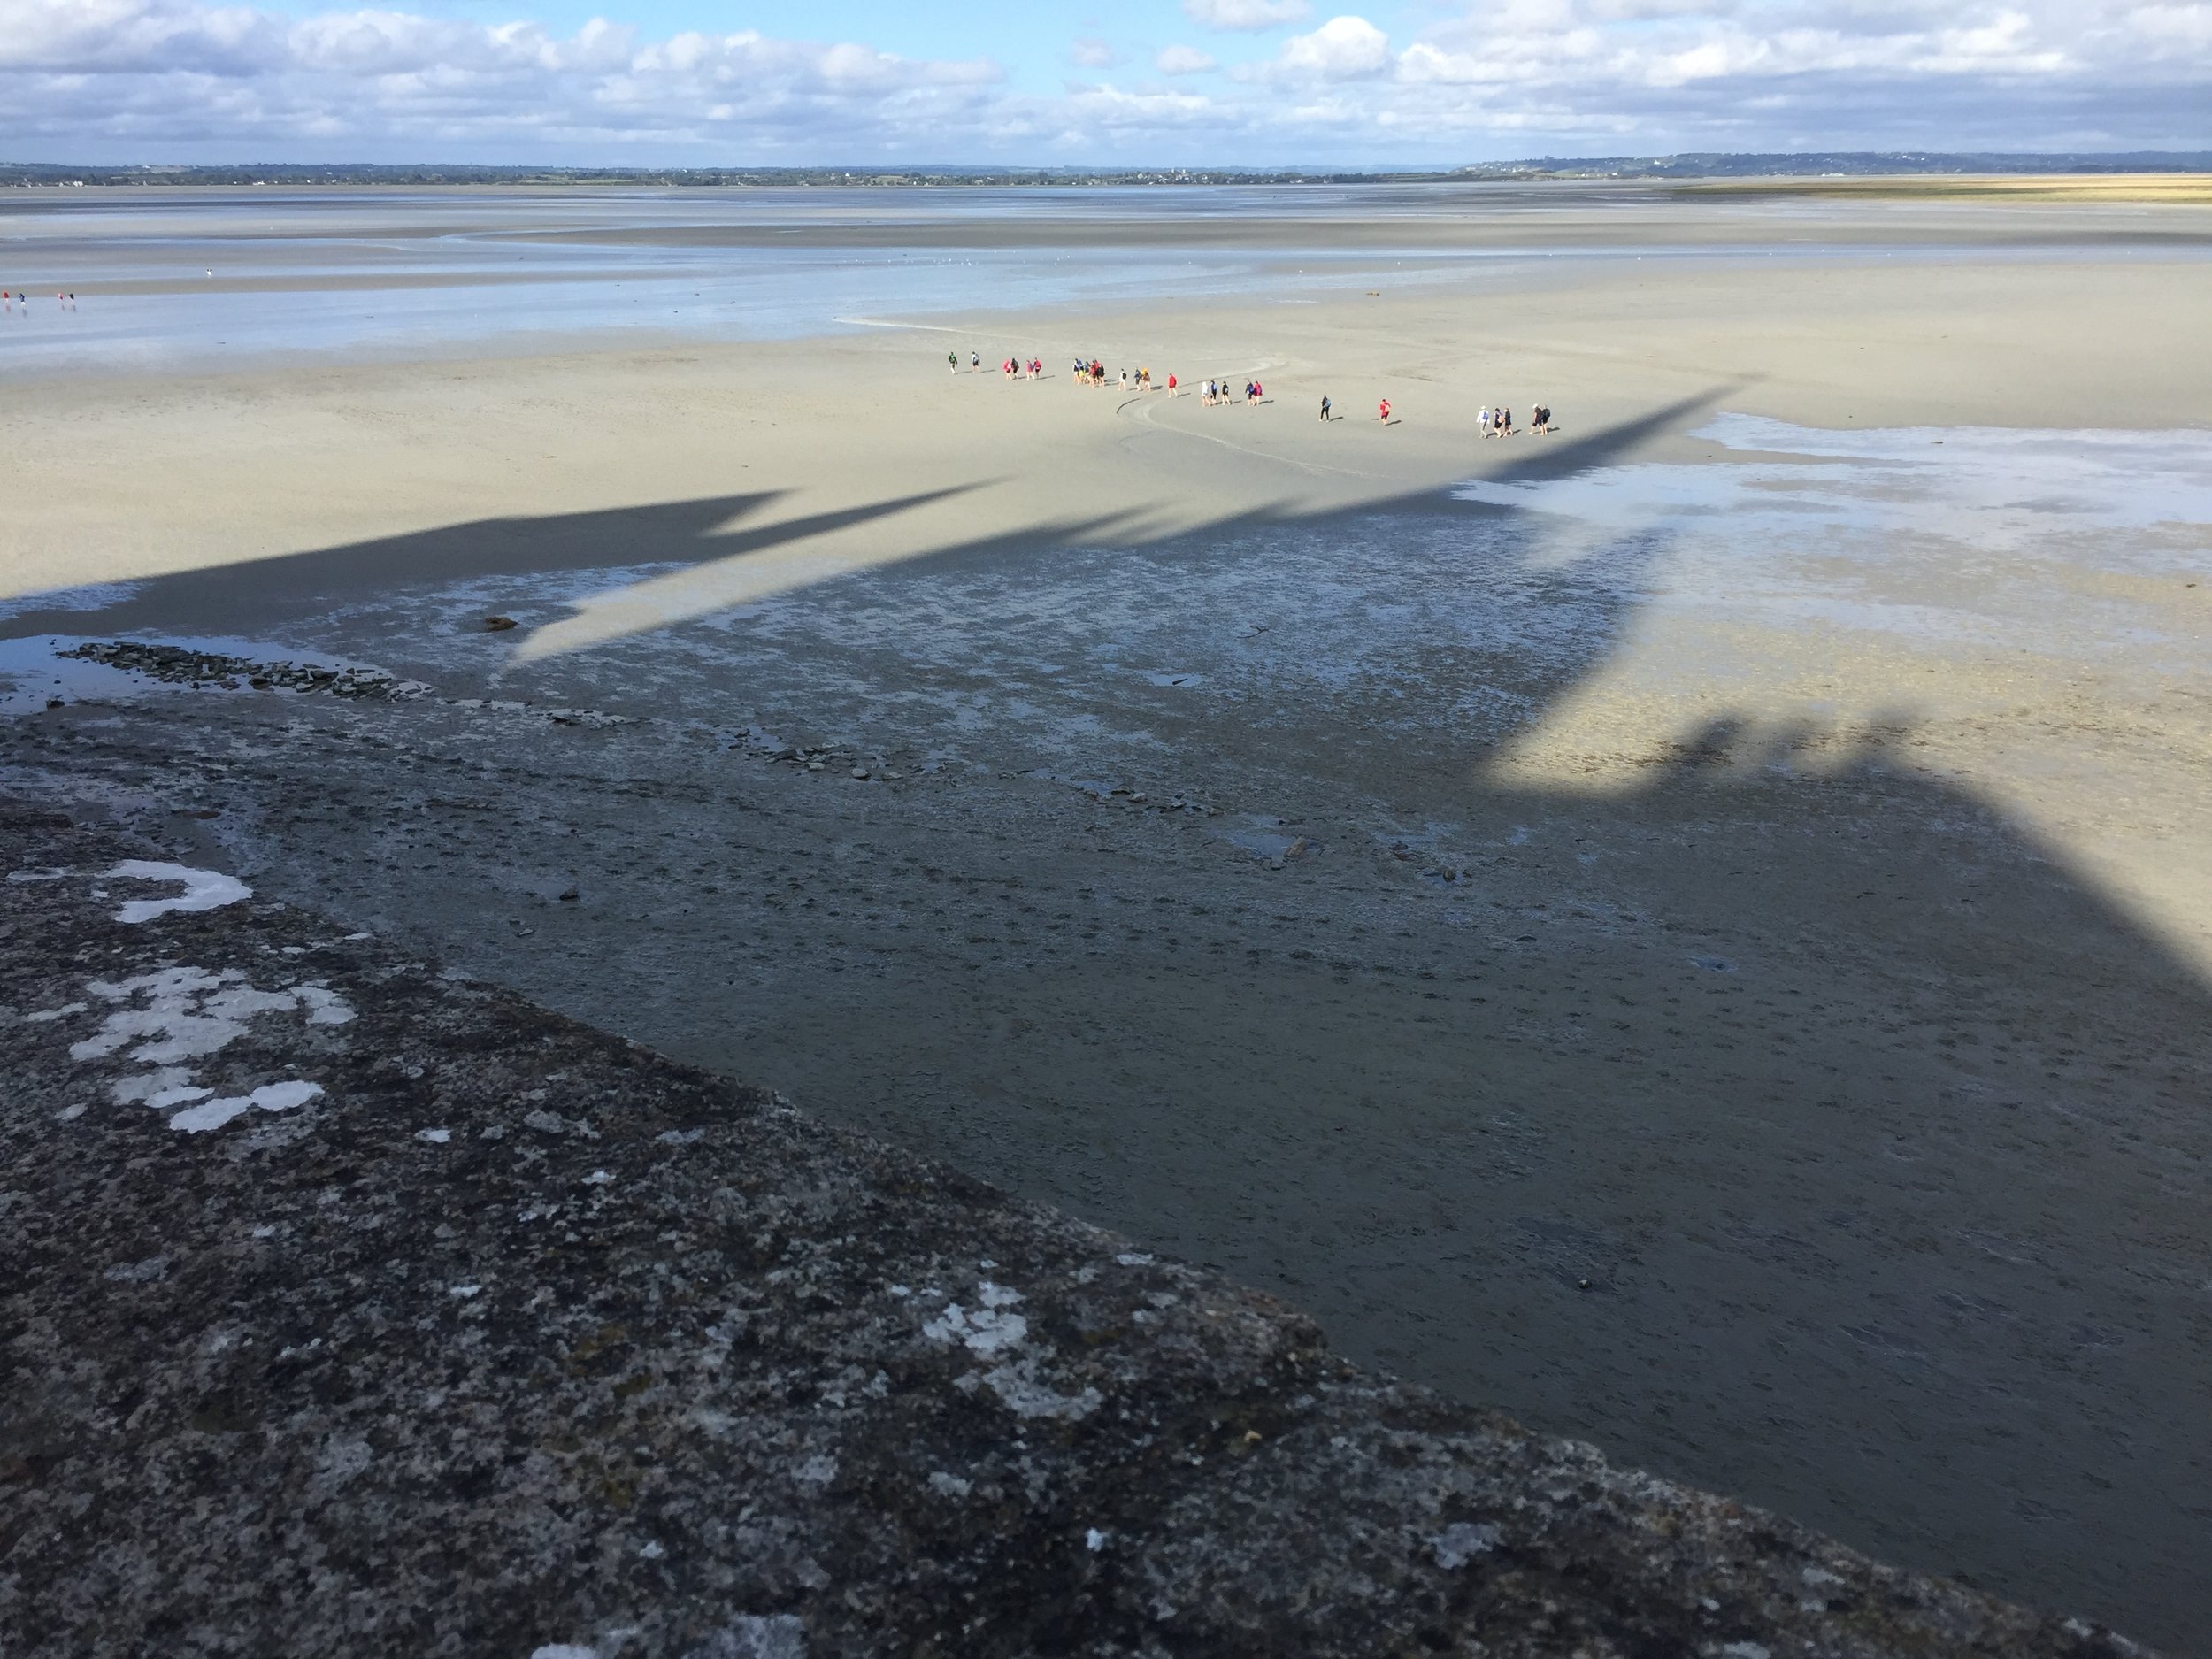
x=1499, y=423
x=1492, y=423
x=16, y=300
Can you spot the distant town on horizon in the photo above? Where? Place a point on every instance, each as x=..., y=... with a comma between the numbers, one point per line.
x=1706, y=165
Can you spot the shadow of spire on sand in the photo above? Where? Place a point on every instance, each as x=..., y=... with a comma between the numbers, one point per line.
x=1777, y=1115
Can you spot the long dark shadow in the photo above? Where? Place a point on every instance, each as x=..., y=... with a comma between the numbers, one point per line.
x=1821, y=1137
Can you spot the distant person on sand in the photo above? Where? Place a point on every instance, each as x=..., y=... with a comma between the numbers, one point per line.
x=975, y=363
x=1539, y=420
x=1171, y=382
x=1483, y=420
x=952, y=361
x=1382, y=411
x=1324, y=405
x=1505, y=423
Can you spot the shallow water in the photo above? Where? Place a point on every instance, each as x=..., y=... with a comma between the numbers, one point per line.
x=2059, y=543
x=181, y=279
x=1952, y=535
x=229, y=277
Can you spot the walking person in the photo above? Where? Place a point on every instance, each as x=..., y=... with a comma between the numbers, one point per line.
x=1325, y=406
x=1483, y=420
x=952, y=361
x=1382, y=411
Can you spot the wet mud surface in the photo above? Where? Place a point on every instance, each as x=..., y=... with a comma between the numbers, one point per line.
x=357, y=1306
x=1788, y=1122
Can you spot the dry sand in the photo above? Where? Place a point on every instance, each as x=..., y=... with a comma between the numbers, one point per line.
x=1832, y=999
x=2173, y=189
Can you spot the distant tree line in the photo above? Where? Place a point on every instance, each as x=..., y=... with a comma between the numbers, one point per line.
x=1700, y=166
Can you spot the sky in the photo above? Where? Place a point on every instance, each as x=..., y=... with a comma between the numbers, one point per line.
x=1141, y=83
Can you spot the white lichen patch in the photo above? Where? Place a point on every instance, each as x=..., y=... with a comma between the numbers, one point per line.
x=988, y=1330
x=325, y=1006
x=270, y=1097
x=1027, y=1394
x=180, y=1014
x=1461, y=1542
x=45, y=1016
x=203, y=889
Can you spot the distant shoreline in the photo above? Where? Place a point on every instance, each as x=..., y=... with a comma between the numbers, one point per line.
x=1797, y=172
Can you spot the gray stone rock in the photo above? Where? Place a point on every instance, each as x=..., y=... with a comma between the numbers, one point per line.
x=631, y=1361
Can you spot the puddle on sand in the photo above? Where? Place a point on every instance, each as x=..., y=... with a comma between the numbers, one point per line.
x=34, y=676
x=1268, y=838
x=1981, y=532
x=95, y=596
x=1990, y=488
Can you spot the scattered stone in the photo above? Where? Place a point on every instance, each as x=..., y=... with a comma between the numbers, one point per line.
x=179, y=664
x=499, y=625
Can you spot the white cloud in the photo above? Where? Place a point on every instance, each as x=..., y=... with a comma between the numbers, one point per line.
x=1183, y=60
x=1343, y=49
x=1246, y=14
x=1094, y=54
x=119, y=36
x=173, y=79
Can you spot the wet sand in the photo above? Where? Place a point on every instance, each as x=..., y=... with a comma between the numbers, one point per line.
x=1421, y=905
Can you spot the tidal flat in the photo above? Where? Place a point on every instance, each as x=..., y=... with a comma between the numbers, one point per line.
x=1694, y=930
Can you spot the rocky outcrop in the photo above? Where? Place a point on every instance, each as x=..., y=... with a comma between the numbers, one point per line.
x=353, y=1308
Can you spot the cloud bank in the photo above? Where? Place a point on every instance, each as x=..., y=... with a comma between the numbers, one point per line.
x=101, y=80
